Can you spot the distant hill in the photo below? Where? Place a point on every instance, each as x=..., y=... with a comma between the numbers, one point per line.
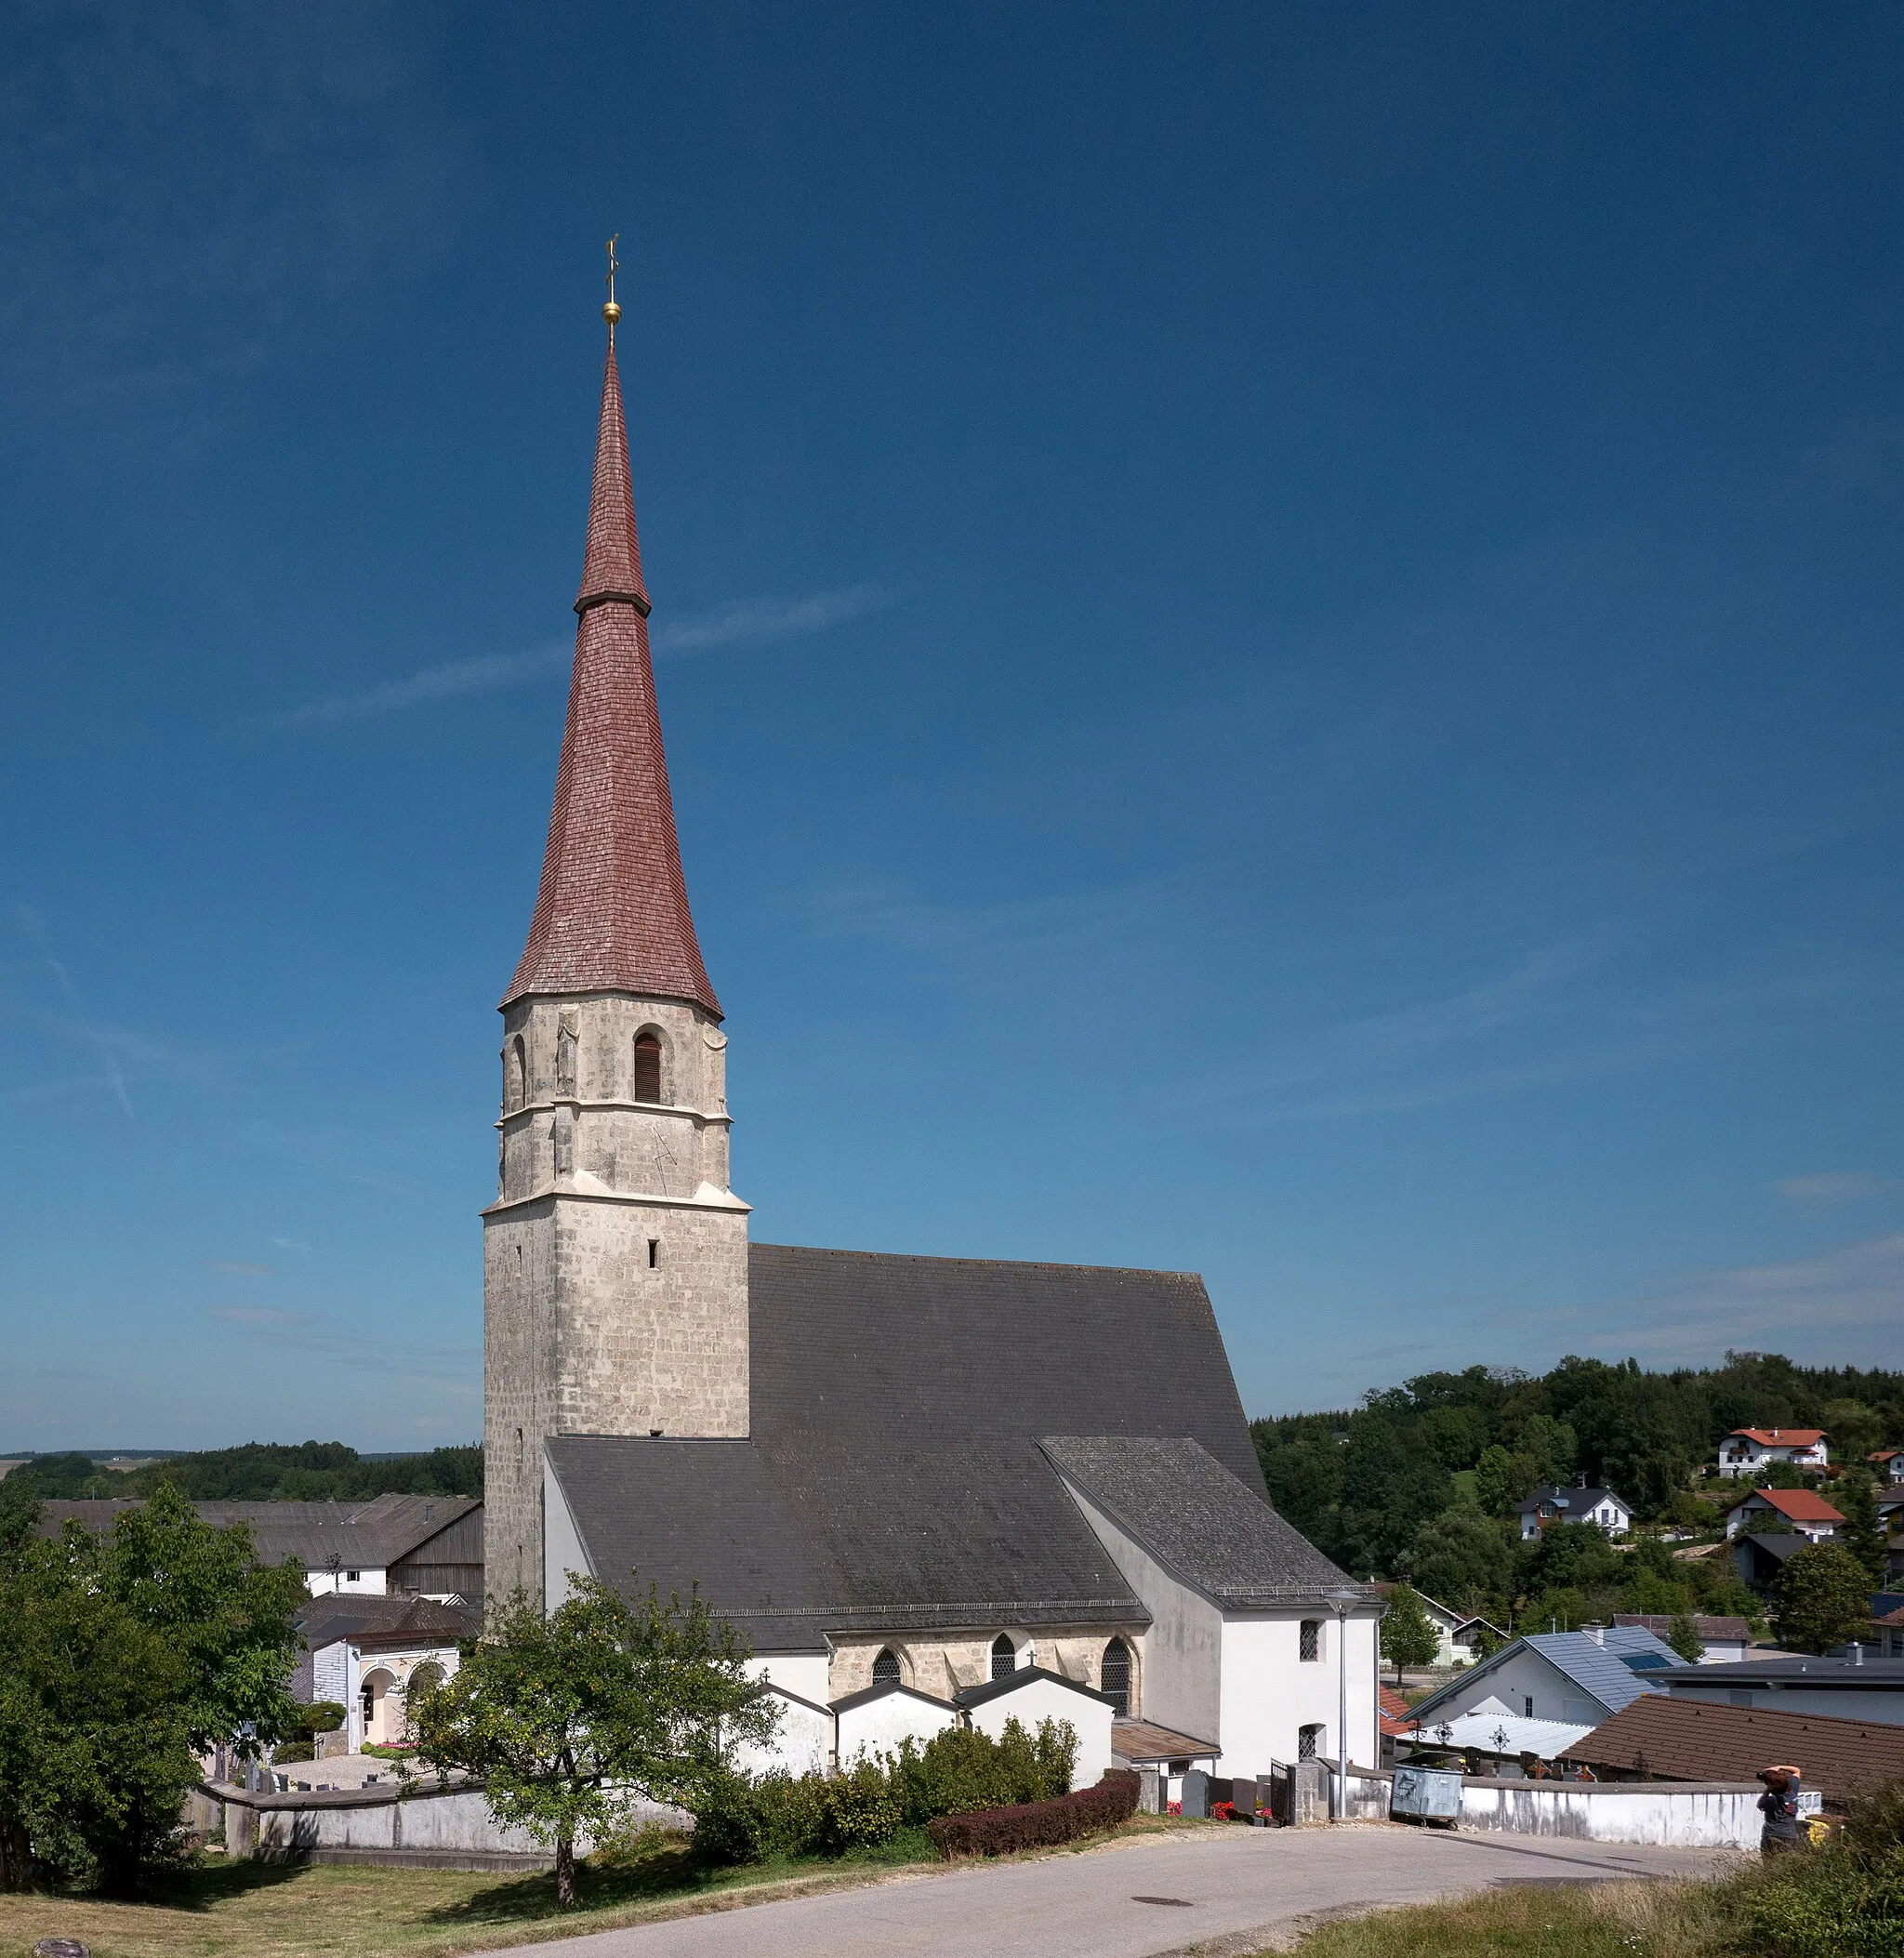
x=256, y=1472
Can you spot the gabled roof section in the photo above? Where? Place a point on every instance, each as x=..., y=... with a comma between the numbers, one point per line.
x=1571, y=1499
x=889, y=1690
x=1779, y=1437
x=1198, y=1519
x=1797, y=1505
x=1597, y=1665
x=356, y=1535
x=611, y=911
x=1025, y=1676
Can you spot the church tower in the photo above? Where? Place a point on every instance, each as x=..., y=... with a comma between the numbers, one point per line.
x=614, y=1266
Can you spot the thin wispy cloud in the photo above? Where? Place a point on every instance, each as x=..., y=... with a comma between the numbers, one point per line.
x=1829, y=1188
x=235, y=1268
x=290, y=1244
x=344, y=1346
x=745, y=622
x=109, y=1061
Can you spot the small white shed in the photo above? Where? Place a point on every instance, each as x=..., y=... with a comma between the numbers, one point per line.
x=875, y=1720
x=1030, y=1695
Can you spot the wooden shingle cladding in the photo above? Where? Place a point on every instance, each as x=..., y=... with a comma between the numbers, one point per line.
x=448, y=1564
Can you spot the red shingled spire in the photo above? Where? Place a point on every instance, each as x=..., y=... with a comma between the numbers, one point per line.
x=612, y=914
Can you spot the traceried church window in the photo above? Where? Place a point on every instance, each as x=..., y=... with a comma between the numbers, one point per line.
x=647, y=1068
x=1114, y=1674
x=1004, y=1657
x=1309, y=1641
x=886, y=1667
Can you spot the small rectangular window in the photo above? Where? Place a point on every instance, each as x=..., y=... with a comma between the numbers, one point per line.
x=1528, y=1706
x=1309, y=1644
x=352, y=1577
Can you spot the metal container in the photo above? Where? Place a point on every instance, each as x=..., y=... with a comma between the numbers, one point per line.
x=1431, y=1793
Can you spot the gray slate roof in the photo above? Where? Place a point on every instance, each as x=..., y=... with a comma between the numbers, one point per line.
x=1792, y=1669
x=892, y=1480
x=1196, y=1518
x=1575, y=1500
x=359, y=1536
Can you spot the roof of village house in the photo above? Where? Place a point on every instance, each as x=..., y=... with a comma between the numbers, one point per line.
x=893, y=1479
x=1597, y=1664
x=1797, y=1505
x=1779, y=1437
x=355, y=1536
x=366, y=1617
x=1392, y=1714
x=612, y=911
x=1659, y=1623
x=1555, y=1497
x=1700, y=1741
x=1196, y=1518
x=1785, y=1670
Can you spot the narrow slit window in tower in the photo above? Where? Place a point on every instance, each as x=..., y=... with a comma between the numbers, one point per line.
x=886, y=1667
x=647, y=1069
x=653, y=1253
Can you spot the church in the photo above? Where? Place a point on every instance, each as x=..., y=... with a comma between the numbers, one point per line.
x=911, y=1483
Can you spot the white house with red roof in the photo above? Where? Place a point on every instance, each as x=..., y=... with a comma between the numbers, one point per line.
x=1805, y=1509
x=1747, y=1450
x=1889, y=1464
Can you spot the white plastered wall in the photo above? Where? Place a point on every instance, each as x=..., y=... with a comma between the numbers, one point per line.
x=1039, y=1700
x=1522, y=1676
x=1270, y=1692
x=878, y=1726
x=563, y=1556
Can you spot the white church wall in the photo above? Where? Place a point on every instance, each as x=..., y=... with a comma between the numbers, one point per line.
x=1039, y=1700
x=1270, y=1692
x=802, y=1672
x=802, y=1742
x=1182, y=1652
x=877, y=1727
x=563, y=1553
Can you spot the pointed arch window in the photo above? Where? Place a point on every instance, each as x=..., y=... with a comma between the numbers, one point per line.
x=647, y=1066
x=886, y=1667
x=1004, y=1657
x=515, y=1088
x=1115, y=1676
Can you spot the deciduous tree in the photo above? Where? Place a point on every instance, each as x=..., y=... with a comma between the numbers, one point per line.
x=1409, y=1634
x=1823, y=1598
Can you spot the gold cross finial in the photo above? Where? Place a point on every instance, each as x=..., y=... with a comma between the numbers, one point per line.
x=612, y=312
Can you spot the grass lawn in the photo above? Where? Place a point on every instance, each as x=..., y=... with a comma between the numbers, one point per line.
x=1615, y=1920
x=215, y=1909
x=247, y=1909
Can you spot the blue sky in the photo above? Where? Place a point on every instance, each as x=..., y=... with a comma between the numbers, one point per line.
x=1278, y=628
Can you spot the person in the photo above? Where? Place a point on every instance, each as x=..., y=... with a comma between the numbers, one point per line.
x=1778, y=1805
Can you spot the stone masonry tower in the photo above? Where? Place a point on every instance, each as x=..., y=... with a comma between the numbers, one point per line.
x=615, y=1274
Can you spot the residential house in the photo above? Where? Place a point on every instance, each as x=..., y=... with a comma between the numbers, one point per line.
x=1854, y=1686
x=1463, y=1634
x=1746, y=1451
x=1566, y=1679
x=368, y=1653
x=417, y=1546
x=1887, y=1625
x=1720, y=1638
x=1548, y=1506
x=1808, y=1512
x=1665, y=1737
x=1889, y=1463
x=1760, y=1558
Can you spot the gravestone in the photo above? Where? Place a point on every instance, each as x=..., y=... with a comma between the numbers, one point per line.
x=1197, y=1792
x=1243, y=1797
x=1150, y=1791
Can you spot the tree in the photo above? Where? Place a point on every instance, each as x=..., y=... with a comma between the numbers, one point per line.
x=119, y=1657
x=573, y=1718
x=1822, y=1599
x=1462, y=1558
x=1863, y=1534
x=1409, y=1634
x=1501, y=1479
x=1683, y=1635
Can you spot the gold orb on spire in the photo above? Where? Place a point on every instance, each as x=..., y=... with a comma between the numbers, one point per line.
x=612, y=312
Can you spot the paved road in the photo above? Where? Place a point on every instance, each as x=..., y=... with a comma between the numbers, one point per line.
x=1136, y=1899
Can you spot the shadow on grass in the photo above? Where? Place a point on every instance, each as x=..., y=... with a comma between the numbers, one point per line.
x=202, y=1885
x=658, y=1870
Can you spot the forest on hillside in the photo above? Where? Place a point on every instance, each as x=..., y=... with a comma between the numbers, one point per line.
x=1421, y=1480
x=261, y=1472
